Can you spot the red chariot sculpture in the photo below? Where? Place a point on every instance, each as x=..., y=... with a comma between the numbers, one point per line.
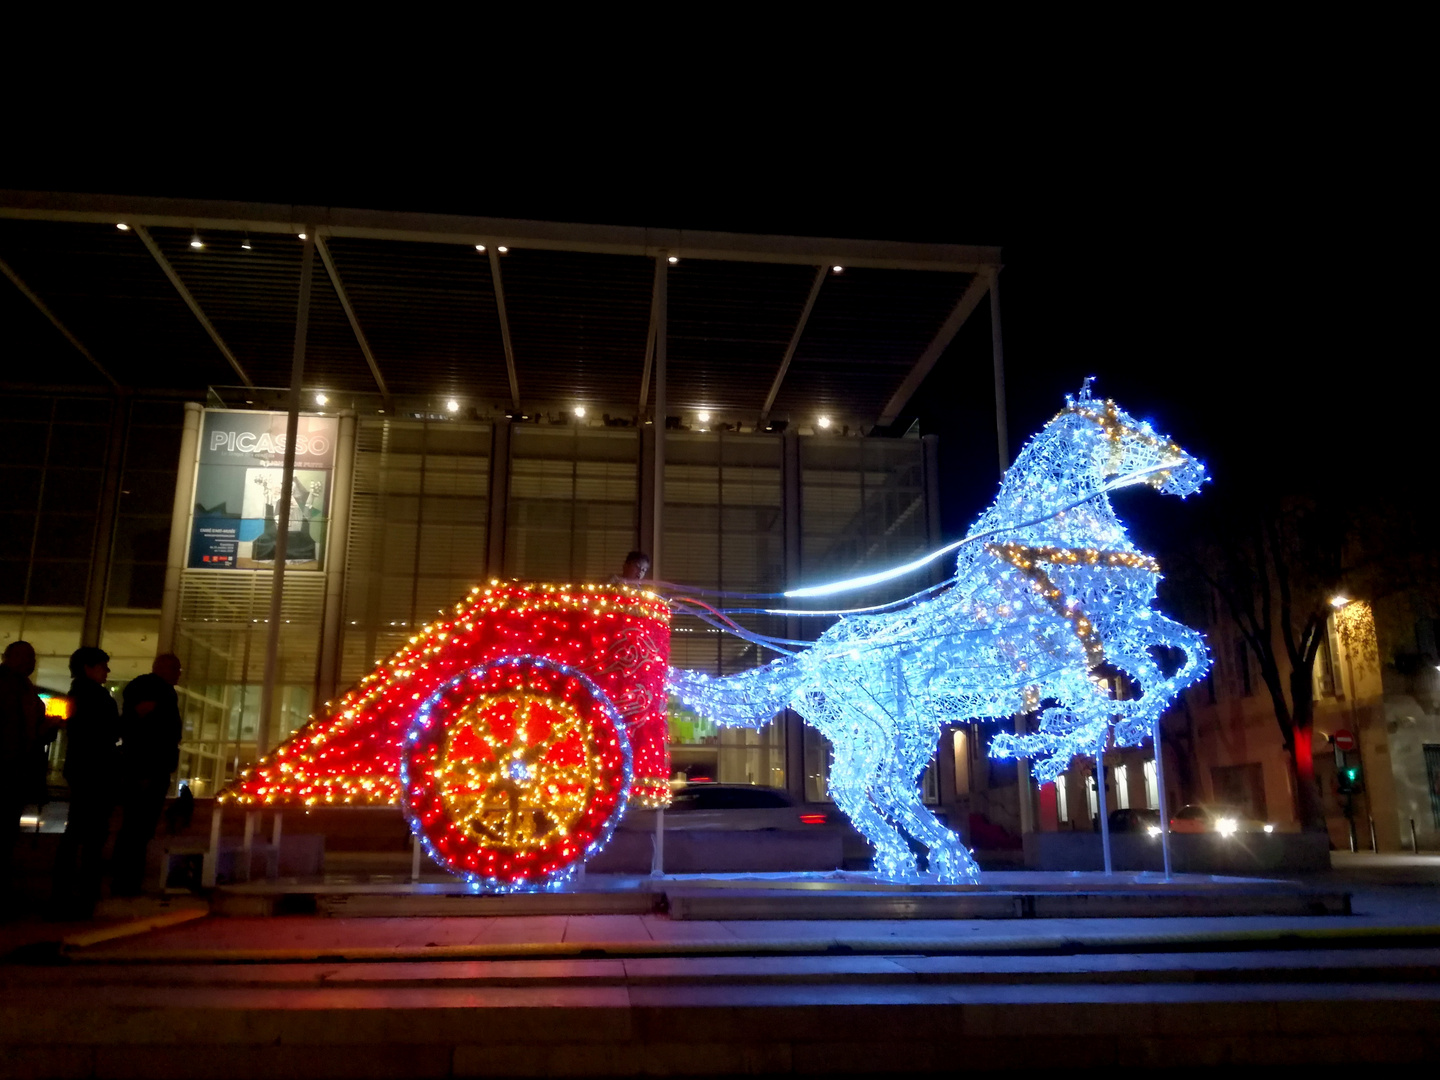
x=513, y=734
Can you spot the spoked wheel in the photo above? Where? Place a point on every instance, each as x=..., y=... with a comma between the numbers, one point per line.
x=514, y=772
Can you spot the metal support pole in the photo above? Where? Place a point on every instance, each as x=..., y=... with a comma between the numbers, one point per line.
x=180, y=512
x=247, y=846
x=657, y=857
x=997, y=351
x=210, y=868
x=790, y=511
x=1026, y=785
x=414, y=858
x=337, y=542
x=277, y=831
x=282, y=512
x=662, y=305
x=499, y=498
x=1160, y=791
x=102, y=550
x=1374, y=847
x=1414, y=838
x=1104, y=810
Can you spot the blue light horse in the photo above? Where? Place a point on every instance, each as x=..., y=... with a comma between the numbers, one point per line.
x=1047, y=589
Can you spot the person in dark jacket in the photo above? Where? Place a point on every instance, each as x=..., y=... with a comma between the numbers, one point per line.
x=21, y=719
x=150, y=724
x=92, y=766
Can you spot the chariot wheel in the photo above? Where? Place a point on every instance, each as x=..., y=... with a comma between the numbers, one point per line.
x=514, y=772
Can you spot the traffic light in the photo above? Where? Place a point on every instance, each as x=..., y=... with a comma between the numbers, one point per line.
x=1349, y=780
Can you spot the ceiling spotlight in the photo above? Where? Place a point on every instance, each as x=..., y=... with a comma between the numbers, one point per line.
x=196, y=242
x=580, y=410
x=452, y=405
x=837, y=269
x=245, y=244
x=703, y=416
x=321, y=399
x=480, y=247
x=302, y=236
x=1339, y=601
x=122, y=226
x=674, y=259
x=502, y=249
x=824, y=421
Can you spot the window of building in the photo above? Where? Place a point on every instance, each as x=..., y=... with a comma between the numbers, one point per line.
x=1152, y=786
x=574, y=503
x=418, y=531
x=1242, y=667
x=724, y=529
x=1122, y=787
x=1332, y=649
x=1324, y=670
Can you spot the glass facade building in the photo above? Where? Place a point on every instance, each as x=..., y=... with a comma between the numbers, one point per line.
x=422, y=509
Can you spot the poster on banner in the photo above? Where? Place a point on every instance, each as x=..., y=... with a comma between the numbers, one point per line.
x=239, y=491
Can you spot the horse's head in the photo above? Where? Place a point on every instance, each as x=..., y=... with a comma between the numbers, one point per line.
x=1127, y=451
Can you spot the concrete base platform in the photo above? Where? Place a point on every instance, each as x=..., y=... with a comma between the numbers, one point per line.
x=719, y=1017
x=833, y=895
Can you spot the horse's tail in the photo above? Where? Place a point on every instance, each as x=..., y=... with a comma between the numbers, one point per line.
x=748, y=699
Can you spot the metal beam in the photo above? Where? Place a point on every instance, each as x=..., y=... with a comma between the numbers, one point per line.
x=997, y=352
x=504, y=328
x=662, y=332
x=458, y=229
x=969, y=301
x=191, y=302
x=340, y=292
x=820, y=272
x=266, y=726
x=650, y=344
x=29, y=294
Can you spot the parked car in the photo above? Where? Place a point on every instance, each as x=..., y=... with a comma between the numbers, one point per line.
x=1132, y=820
x=741, y=807
x=1225, y=820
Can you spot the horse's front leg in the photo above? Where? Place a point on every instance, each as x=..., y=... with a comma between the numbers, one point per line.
x=950, y=861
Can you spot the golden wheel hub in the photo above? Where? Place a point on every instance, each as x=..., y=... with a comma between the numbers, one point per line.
x=517, y=769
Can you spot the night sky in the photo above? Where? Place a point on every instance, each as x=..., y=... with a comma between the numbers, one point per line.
x=1223, y=288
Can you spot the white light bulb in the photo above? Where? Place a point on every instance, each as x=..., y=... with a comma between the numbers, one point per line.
x=824, y=421
x=453, y=405
x=837, y=269
x=502, y=249
x=703, y=416
x=122, y=226
x=196, y=243
x=302, y=236
x=321, y=399
x=579, y=410
x=674, y=259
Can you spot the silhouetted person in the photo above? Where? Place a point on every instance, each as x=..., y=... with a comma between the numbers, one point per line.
x=637, y=566
x=92, y=764
x=149, y=752
x=21, y=721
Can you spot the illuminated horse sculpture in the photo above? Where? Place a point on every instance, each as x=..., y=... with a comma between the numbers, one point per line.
x=1047, y=590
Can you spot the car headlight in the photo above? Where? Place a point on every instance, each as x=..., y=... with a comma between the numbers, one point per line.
x=1153, y=830
x=1227, y=826
x=1269, y=828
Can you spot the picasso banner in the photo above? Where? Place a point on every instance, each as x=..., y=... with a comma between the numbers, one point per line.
x=238, y=491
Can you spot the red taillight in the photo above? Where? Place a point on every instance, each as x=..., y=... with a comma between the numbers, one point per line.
x=813, y=819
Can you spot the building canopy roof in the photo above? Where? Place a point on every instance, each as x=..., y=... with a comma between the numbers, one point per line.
x=414, y=310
